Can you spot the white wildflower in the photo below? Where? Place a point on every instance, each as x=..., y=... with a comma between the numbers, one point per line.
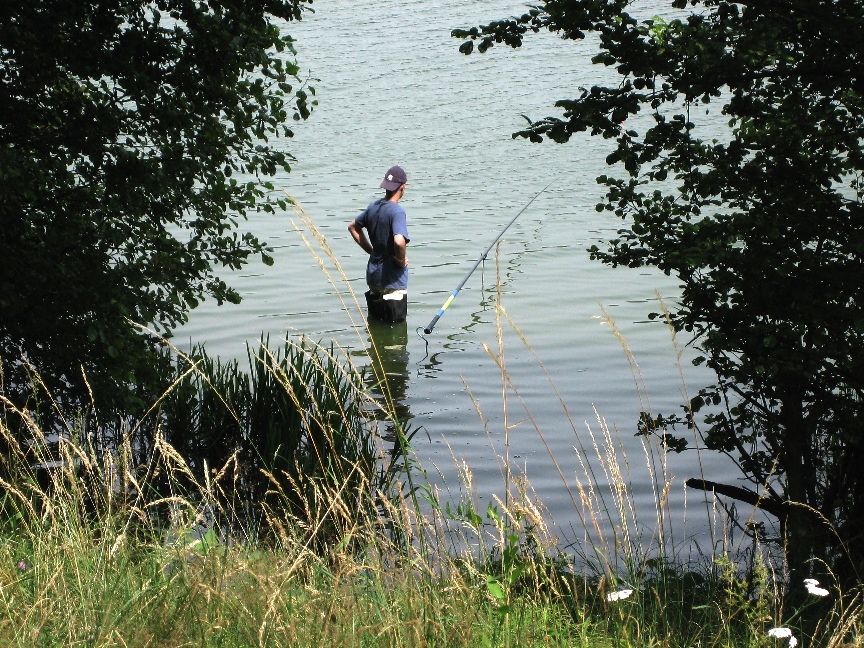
x=813, y=587
x=784, y=633
x=620, y=595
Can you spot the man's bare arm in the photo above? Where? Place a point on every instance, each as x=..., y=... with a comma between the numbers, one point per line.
x=360, y=236
x=400, y=252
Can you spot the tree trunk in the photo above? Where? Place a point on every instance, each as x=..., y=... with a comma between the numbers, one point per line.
x=799, y=522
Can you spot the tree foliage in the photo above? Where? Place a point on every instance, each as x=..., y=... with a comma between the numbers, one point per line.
x=738, y=131
x=134, y=137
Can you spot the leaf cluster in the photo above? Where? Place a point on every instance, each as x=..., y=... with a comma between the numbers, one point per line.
x=738, y=153
x=134, y=138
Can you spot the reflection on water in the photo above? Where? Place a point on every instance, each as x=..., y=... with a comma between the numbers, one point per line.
x=388, y=373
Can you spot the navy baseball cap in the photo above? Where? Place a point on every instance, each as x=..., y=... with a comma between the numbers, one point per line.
x=394, y=178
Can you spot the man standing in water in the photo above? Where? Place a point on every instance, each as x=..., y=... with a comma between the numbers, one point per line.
x=386, y=244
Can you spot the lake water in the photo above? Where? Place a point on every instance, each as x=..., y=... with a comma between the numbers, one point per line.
x=393, y=89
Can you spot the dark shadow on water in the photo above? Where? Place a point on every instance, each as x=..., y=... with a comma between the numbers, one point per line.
x=388, y=375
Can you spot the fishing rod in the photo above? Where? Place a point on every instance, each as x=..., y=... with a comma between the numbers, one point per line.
x=482, y=258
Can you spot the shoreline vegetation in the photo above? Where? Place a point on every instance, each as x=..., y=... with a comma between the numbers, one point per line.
x=103, y=551
x=318, y=527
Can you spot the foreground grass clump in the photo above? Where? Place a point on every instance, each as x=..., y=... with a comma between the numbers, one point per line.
x=67, y=580
x=216, y=596
x=72, y=576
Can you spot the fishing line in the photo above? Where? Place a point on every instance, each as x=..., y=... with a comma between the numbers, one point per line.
x=482, y=258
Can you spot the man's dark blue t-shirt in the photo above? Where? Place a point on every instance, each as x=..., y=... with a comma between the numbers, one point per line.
x=382, y=220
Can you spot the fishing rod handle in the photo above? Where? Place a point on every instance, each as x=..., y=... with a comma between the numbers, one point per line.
x=431, y=324
x=435, y=319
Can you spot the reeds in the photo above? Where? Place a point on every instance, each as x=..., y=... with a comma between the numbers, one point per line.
x=289, y=432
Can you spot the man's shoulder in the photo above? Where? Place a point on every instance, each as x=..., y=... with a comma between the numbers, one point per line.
x=392, y=207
